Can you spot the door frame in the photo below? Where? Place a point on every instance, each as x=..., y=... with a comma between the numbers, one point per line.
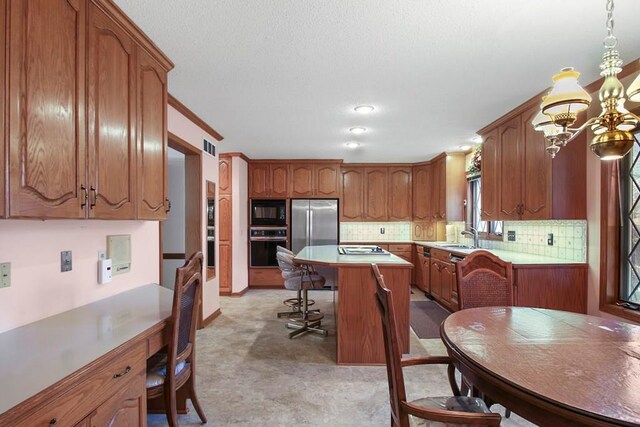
x=193, y=199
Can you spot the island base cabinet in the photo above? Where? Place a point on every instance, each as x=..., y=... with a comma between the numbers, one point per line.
x=556, y=287
x=359, y=329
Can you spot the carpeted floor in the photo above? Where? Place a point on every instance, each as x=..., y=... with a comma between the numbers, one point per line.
x=426, y=318
x=249, y=373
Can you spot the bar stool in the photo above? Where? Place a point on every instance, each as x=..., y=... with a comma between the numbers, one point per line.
x=304, y=320
x=290, y=270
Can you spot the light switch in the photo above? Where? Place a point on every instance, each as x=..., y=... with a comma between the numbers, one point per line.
x=5, y=275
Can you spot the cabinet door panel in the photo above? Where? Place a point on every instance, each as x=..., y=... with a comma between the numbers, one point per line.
x=152, y=139
x=376, y=194
x=3, y=9
x=435, y=278
x=537, y=189
x=46, y=98
x=111, y=118
x=400, y=206
x=280, y=180
x=352, y=204
x=439, y=193
x=511, y=158
x=302, y=176
x=259, y=180
x=422, y=176
x=224, y=205
x=326, y=181
x=224, y=178
x=490, y=177
x=225, y=267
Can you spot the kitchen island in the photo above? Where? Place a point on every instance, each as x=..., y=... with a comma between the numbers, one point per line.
x=359, y=338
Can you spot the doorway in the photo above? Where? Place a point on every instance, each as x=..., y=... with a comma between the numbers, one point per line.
x=181, y=232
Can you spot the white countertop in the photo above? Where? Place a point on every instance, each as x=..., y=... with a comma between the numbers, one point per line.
x=36, y=356
x=328, y=255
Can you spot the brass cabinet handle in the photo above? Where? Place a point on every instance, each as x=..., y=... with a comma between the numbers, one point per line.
x=53, y=422
x=85, y=197
x=168, y=205
x=95, y=197
x=123, y=373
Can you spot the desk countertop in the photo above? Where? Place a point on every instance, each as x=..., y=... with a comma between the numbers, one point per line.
x=328, y=255
x=36, y=356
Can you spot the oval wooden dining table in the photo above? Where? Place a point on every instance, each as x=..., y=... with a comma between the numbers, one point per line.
x=551, y=367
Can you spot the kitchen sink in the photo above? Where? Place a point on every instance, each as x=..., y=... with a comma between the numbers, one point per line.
x=454, y=246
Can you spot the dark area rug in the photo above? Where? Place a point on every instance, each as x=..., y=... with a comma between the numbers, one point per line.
x=426, y=317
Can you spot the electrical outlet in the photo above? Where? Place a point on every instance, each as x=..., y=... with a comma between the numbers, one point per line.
x=550, y=239
x=511, y=235
x=381, y=230
x=5, y=275
x=65, y=261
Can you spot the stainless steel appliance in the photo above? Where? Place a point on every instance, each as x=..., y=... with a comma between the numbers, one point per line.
x=315, y=223
x=362, y=250
x=263, y=244
x=269, y=212
x=211, y=233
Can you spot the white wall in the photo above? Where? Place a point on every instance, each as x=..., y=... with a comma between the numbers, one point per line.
x=38, y=288
x=240, y=212
x=173, y=229
x=182, y=127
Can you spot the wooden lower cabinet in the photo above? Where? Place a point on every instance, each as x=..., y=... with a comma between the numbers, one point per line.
x=111, y=392
x=558, y=287
x=226, y=265
x=265, y=278
x=443, y=283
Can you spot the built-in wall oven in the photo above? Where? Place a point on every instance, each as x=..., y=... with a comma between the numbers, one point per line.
x=263, y=243
x=269, y=213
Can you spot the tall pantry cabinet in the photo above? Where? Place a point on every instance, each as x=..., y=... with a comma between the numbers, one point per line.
x=86, y=113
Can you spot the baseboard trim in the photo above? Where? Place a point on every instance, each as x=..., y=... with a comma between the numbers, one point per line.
x=235, y=294
x=206, y=322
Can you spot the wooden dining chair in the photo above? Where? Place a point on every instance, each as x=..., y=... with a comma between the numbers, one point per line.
x=484, y=280
x=174, y=367
x=450, y=410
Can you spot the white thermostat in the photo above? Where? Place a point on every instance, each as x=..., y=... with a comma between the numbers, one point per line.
x=104, y=271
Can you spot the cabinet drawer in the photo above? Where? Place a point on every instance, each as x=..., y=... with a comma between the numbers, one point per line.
x=399, y=248
x=440, y=254
x=74, y=403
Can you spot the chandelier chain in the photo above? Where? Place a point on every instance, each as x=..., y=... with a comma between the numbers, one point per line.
x=610, y=41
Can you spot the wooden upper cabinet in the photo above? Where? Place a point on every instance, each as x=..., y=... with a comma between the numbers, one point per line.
x=511, y=157
x=400, y=202
x=111, y=117
x=490, y=177
x=3, y=8
x=352, y=204
x=439, y=189
x=536, y=168
x=46, y=114
x=279, y=180
x=152, y=139
x=224, y=174
x=302, y=180
x=225, y=217
x=259, y=178
x=376, y=194
x=422, y=176
x=326, y=180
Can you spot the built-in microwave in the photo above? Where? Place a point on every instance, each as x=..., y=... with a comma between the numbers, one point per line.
x=269, y=213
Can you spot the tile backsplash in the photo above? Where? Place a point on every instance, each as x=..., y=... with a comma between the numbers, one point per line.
x=371, y=231
x=569, y=239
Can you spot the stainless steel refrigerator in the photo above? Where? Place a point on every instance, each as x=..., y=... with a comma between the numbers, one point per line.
x=315, y=223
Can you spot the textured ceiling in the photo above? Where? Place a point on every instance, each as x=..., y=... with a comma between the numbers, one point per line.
x=279, y=78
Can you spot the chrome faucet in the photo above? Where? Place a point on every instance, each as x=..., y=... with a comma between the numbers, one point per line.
x=474, y=233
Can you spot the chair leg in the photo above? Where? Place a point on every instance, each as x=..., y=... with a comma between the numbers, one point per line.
x=195, y=401
x=170, y=408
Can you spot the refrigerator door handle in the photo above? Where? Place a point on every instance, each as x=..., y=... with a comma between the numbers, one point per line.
x=310, y=227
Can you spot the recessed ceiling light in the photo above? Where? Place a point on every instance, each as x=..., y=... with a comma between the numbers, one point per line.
x=352, y=144
x=364, y=109
x=358, y=130
x=464, y=147
x=477, y=139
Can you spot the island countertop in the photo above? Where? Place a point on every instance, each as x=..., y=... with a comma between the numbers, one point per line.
x=328, y=255
x=38, y=355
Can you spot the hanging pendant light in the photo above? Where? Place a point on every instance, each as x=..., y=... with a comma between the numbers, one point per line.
x=612, y=128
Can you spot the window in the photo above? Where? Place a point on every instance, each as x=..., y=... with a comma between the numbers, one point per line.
x=630, y=239
x=487, y=229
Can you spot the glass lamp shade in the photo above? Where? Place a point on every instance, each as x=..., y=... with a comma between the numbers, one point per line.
x=541, y=122
x=634, y=90
x=566, y=97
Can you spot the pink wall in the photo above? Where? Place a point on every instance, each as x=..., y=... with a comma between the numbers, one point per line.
x=187, y=130
x=39, y=289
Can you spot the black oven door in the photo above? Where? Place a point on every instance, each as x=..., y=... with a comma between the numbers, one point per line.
x=263, y=252
x=269, y=212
